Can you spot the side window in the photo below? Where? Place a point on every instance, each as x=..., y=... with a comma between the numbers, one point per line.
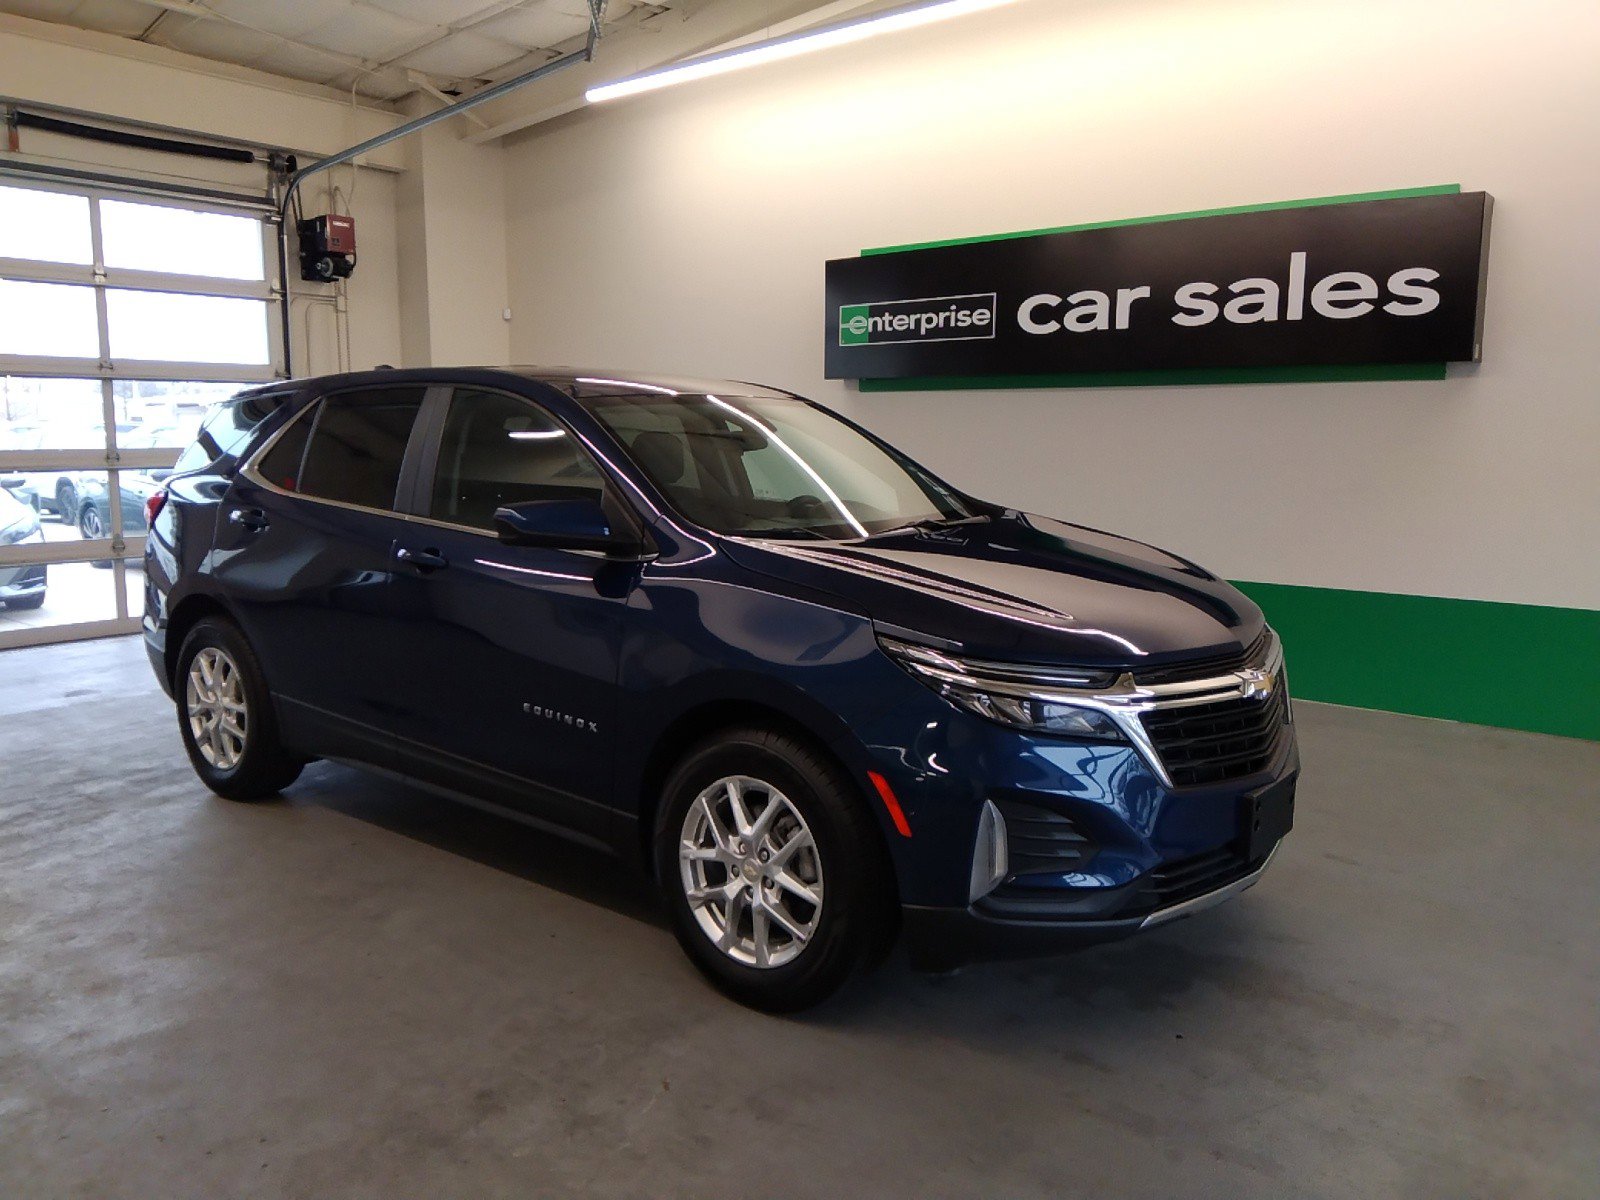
x=357, y=445
x=498, y=449
x=280, y=466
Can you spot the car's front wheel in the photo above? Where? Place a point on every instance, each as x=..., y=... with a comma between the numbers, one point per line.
x=226, y=718
x=775, y=874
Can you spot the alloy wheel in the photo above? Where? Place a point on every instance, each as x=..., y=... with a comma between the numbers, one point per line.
x=750, y=871
x=215, y=706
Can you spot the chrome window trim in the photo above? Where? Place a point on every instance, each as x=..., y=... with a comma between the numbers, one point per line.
x=248, y=471
x=1125, y=700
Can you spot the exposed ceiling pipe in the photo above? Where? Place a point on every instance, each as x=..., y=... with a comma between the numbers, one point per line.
x=596, y=17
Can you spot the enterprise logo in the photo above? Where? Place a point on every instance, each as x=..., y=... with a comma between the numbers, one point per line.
x=932, y=319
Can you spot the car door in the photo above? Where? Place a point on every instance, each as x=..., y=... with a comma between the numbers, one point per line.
x=519, y=679
x=304, y=550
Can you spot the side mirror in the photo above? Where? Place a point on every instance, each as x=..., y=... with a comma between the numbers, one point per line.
x=12, y=481
x=564, y=525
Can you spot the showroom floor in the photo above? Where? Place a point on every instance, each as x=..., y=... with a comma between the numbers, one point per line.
x=365, y=992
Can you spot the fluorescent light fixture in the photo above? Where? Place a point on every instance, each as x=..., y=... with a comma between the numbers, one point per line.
x=778, y=49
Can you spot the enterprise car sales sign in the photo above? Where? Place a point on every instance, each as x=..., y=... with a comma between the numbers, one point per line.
x=1380, y=281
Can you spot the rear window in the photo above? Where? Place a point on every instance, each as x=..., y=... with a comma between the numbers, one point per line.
x=280, y=466
x=227, y=428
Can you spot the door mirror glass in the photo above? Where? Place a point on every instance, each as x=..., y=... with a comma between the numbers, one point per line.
x=563, y=525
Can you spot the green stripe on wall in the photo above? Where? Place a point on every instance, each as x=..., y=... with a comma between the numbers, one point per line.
x=1518, y=666
x=1442, y=189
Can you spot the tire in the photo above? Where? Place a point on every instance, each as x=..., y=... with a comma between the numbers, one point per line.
x=66, y=501
x=838, y=858
x=252, y=767
x=90, y=527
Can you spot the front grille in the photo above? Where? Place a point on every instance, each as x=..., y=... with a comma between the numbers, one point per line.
x=1254, y=655
x=1213, y=743
x=1174, y=882
x=1041, y=841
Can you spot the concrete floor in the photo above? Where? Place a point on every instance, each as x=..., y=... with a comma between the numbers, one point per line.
x=366, y=992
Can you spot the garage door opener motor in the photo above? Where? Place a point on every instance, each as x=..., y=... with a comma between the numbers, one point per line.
x=327, y=247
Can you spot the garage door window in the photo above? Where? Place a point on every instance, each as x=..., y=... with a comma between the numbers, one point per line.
x=48, y=227
x=123, y=319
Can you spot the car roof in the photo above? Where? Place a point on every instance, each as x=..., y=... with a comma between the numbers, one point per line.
x=579, y=383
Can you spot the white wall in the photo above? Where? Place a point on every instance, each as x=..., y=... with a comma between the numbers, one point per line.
x=686, y=231
x=452, y=254
x=113, y=76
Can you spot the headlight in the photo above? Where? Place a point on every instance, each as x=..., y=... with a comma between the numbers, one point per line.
x=24, y=529
x=1023, y=698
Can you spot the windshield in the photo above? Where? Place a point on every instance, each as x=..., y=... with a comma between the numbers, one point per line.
x=770, y=466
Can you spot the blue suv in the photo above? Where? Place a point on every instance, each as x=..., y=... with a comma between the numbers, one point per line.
x=824, y=695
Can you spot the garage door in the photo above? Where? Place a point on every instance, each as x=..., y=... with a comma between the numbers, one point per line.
x=123, y=318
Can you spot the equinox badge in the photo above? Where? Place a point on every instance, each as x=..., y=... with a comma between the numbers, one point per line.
x=550, y=714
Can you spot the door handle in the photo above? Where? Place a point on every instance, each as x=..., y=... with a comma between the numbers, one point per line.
x=253, y=519
x=422, y=560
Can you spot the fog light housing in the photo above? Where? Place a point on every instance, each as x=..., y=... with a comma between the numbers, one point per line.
x=991, y=857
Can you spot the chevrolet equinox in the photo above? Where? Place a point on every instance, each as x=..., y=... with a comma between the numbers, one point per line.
x=823, y=695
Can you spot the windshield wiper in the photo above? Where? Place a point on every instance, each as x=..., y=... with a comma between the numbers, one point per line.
x=930, y=524
x=784, y=531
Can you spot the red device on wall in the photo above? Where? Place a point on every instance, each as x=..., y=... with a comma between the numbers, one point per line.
x=327, y=247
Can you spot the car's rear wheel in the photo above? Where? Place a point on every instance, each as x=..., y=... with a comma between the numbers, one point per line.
x=226, y=718
x=775, y=875
x=92, y=527
x=66, y=501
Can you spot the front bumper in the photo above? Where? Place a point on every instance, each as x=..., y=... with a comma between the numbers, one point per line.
x=940, y=939
x=1100, y=845
x=20, y=583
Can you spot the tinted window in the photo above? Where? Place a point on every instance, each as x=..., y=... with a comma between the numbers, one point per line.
x=499, y=450
x=280, y=466
x=227, y=429
x=357, y=444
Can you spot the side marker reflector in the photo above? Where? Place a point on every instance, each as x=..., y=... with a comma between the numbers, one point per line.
x=886, y=794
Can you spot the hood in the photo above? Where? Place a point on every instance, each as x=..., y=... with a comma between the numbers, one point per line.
x=1024, y=588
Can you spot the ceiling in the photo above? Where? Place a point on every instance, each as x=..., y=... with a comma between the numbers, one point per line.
x=380, y=49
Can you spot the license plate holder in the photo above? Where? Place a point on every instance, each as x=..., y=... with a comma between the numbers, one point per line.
x=1266, y=816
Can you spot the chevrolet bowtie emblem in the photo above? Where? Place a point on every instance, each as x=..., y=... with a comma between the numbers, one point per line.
x=1256, y=684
